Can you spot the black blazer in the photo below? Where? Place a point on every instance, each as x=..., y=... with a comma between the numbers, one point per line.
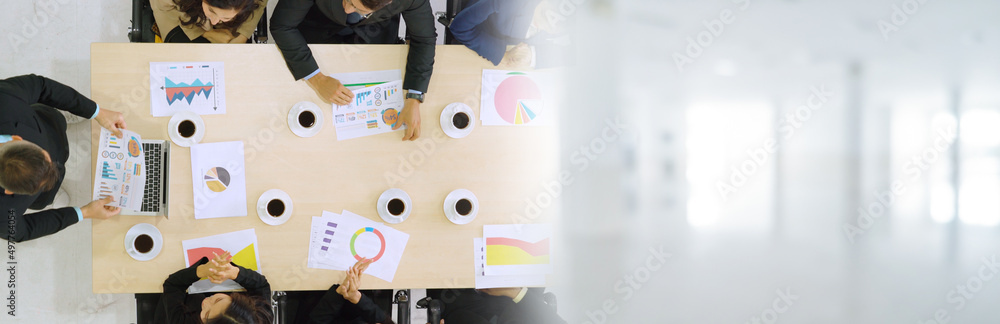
x=333, y=308
x=469, y=306
x=25, y=110
x=177, y=306
x=288, y=14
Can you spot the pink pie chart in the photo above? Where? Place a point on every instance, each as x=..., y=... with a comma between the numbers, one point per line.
x=518, y=100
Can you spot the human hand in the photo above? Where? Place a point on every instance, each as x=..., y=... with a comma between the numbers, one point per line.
x=410, y=116
x=218, y=36
x=221, y=270
x=330, y=89
x=97, y=210
x=112, y=120
x=350, y=287
x=518, y=56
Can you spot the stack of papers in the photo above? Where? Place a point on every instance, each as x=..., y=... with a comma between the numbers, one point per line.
x=120, y=170
x=337, y=241
x=513, y=256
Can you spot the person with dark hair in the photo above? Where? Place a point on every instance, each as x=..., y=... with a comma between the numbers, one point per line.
x=207, y=21
x=33, y=151
x=296, y=23
x=497, y=305
x=489, y=26
x=251, y=307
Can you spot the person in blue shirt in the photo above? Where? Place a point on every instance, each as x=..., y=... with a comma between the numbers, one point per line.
x=489, y=26
x=33, y=151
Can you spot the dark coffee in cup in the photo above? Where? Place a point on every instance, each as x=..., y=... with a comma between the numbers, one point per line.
x=186, y=128
x=307, y=119
x=396, y=206
x=463, y=207
x=143, y=243
x=275, y=207
x=460, y=120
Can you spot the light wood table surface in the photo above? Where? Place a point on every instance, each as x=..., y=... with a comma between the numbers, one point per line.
x=503, y=166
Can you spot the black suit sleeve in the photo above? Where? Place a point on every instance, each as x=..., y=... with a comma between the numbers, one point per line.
x=31, y=226
x=333, y=308
x=420, y=58
x=34, y=89
x=255, y=283
x=175, y=291
x=287, y=16
x=532, y=309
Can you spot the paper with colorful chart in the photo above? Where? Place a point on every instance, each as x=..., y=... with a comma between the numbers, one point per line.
x=337, y=241
x=120, y=169
x=522, y=249
x=499, y=281
x=374, y=110
x=242, y=245
x=516, y=98
x=199, y=87
x=219, y=180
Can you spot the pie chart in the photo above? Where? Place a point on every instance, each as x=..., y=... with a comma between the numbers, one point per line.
x=518, y=99
x=217, y=179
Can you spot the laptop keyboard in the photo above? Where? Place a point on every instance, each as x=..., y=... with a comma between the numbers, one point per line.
x=151, y=197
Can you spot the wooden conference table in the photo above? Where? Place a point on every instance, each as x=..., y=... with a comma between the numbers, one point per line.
x=503, y=166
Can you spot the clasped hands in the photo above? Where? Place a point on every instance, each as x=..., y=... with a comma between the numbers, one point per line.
x=218, y=269
x=349, y=288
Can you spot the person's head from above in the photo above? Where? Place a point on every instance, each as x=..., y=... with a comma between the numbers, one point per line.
x=364, y=7
x=26, y=168
x=235, y=308
x=224, y=13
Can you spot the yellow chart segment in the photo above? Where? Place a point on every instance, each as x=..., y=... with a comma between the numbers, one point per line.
x=510, y=255
x=246, y=258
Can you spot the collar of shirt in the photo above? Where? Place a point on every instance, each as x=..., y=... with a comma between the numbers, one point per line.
x=5, y=138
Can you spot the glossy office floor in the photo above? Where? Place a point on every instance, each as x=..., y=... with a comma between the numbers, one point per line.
x=52, y=38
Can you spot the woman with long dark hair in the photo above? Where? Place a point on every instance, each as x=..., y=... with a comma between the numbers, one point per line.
x=207, y=21
x=251, y=307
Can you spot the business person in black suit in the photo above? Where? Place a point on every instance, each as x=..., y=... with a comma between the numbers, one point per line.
x=33, y=151
x=344, y=303
x=497, y=306
x=250, y=307
x=296, y=23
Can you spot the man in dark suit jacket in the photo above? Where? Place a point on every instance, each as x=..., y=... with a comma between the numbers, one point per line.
x=33, y=151
x=296, y=23
x=498, y=306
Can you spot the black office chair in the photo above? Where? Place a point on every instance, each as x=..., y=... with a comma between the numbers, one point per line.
x=445, y=18
x=141, y=30
x=435, y=307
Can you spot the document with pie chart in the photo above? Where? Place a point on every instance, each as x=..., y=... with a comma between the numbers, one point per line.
x=219, y=180
x=516, y=98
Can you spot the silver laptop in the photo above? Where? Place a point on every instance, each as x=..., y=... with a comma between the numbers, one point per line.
x=154, y=199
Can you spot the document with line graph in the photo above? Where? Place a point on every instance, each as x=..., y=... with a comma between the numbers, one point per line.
x=199, y=87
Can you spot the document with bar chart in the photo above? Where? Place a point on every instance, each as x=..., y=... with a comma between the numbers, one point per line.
x=199, y=87
x=522, y=249
x=120, y=169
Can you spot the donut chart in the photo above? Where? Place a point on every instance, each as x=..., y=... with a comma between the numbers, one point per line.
x=518, y=99
x=362, y=231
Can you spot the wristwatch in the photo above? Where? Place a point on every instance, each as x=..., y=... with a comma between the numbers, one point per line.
x=418, y=96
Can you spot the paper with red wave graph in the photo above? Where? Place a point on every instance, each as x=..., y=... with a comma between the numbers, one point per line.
x=523, y=249
x=199, y=87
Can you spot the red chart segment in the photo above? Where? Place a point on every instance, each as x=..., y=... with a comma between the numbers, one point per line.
x=517, y=99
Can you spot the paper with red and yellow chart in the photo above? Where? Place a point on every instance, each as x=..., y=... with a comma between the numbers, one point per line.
x=522, y=249
x=242, y=245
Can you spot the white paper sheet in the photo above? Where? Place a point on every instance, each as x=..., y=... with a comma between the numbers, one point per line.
x=512, y=98
x=373, y=111
x=499, y=281
x=121, y=169
x=242, y=245
x=218, y=175
x=521, y=249
x=199, y=87
x=361, y=80
x=339, y=241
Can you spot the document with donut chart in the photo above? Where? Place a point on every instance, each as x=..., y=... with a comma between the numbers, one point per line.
x=337, y=241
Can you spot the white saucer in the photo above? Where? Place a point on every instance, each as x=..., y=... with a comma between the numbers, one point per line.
x=148, y=229
x=450, y=111
x=262, y=207
x=293, y=119
x=383, y=202
x=199, y=131
x=449, y=206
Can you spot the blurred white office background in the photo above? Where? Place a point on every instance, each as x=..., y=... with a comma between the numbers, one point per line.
x=799, y=161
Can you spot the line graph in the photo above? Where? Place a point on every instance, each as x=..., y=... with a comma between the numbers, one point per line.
x=177, y=91
x=198, y=87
